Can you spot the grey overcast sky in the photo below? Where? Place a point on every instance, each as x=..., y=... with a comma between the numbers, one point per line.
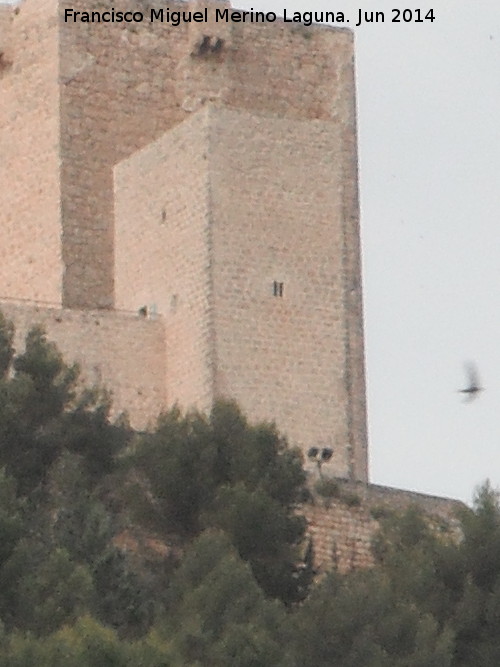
x=428, y=98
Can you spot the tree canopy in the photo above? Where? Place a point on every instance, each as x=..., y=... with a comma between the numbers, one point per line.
x=231, y=582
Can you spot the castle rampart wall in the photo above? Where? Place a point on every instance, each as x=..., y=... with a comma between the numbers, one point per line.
x=30, y=222
x=119, y=351
x=343, y=527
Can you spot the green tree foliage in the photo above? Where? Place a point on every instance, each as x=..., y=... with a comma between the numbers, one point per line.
x=476, y=616
x=359, y=620
x=223, y=494
x=177, y=460
x=222, y=472
x=42, y=414
x=263, y=534
x=218, y=616
x=12, y=525
x=6, y=346
x=454, y=581
x=47, y=384
x=57, y=558
x=57, y=591
x=85, y=644
x=85, y=528
x=422, y=562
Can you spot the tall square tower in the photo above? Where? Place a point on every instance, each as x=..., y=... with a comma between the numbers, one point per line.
x=208, y=172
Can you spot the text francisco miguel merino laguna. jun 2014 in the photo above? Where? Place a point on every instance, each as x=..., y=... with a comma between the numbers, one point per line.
x=222, y=15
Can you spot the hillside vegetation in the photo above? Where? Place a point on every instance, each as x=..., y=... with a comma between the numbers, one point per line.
x=181, y=546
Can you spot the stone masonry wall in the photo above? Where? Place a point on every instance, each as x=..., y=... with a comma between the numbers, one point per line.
x=163, y=253
x=205, y=249
x=276, y=191
x=117, y=95
x=342, y=528
x=31, y=265
x=119, y=351
x=124, y=85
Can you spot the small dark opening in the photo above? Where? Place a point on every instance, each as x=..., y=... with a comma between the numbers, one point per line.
x=278, y=288
x=5, y=64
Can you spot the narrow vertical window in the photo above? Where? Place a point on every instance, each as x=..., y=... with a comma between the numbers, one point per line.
x=278, y=288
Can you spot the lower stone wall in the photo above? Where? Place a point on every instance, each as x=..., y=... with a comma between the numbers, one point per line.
x=341, y=535
x=342, y=527
x=122, y=352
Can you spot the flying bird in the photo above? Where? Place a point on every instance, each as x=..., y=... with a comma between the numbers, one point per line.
x=473, y=387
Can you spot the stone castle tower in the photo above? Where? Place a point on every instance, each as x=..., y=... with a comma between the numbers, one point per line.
x=179, y=209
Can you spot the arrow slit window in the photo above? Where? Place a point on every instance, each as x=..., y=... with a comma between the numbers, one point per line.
x=278, y=288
